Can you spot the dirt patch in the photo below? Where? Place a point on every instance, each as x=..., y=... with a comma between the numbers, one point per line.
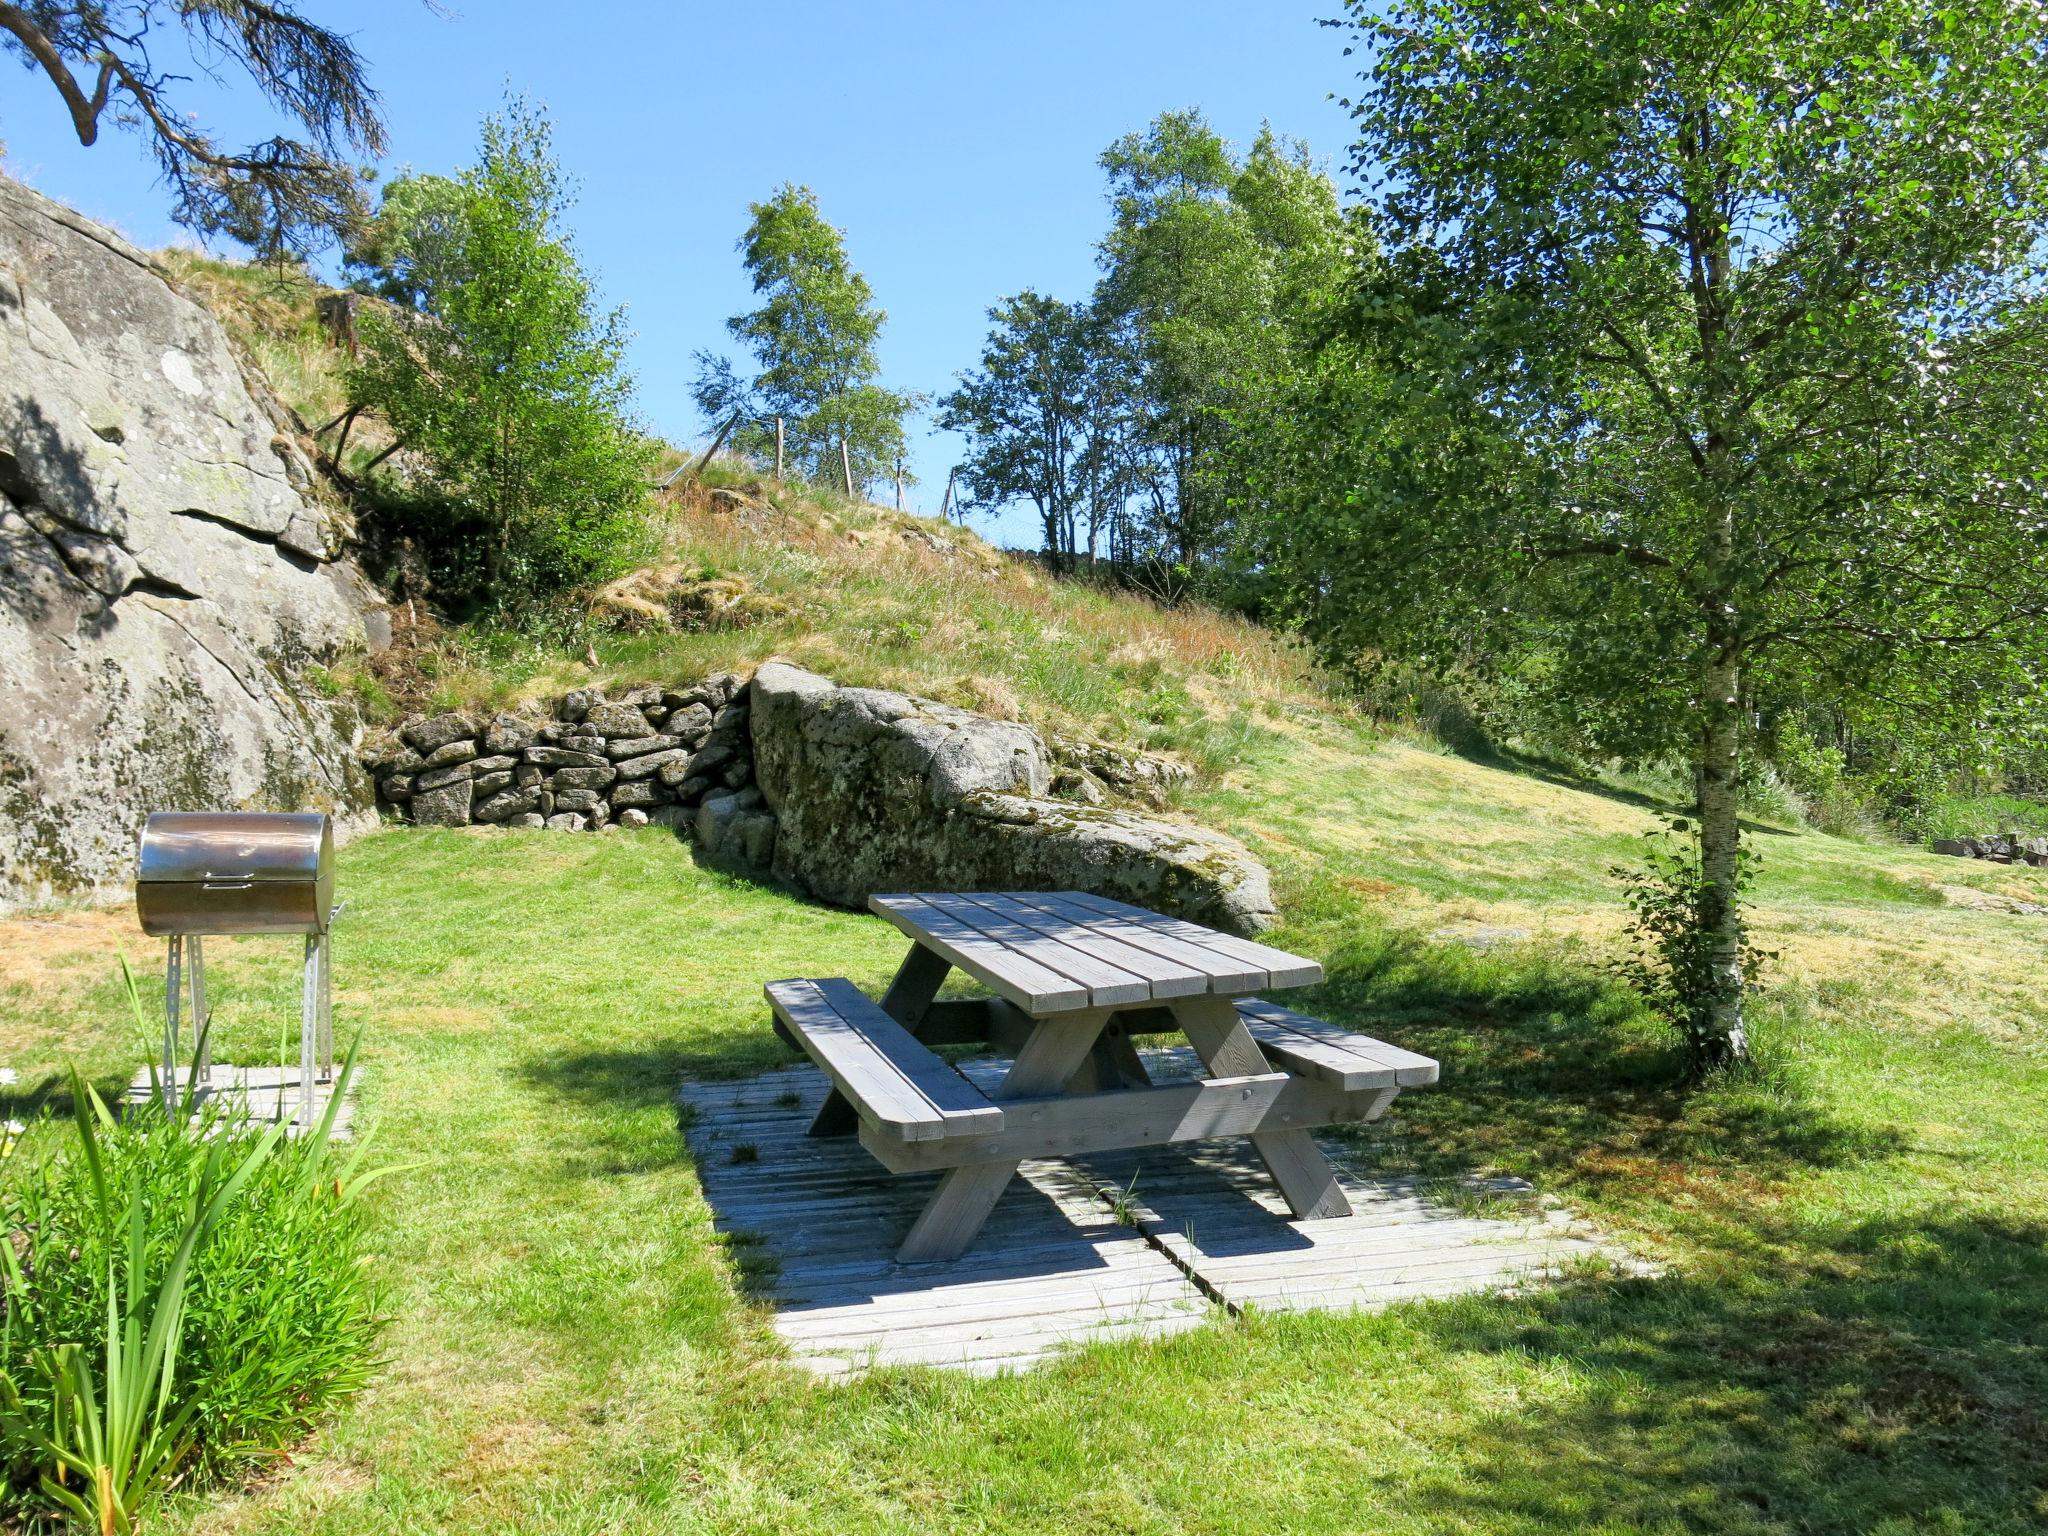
x=677, y=599
x=41, y=954
x=1973, y=900
x=438, y=1021
x=409, y=667
x=1372, y=890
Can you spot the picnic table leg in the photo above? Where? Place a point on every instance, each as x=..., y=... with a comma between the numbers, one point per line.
x=917, y=982
x=1112, y=1063
x=965, y=1196
x=1307, y=1181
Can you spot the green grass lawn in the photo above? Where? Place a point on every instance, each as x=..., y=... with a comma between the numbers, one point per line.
x=1848, y=1336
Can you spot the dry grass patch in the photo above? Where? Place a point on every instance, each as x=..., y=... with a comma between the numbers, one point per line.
x=42, y=947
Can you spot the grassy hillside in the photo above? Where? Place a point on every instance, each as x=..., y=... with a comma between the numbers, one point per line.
x=1845, y=1338
x=858, y=590
x=1452, y=848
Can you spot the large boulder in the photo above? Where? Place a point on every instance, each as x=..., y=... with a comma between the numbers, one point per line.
x=878, y=791
x=167, y=572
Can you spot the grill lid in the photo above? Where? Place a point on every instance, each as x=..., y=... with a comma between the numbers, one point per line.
x=286, y=846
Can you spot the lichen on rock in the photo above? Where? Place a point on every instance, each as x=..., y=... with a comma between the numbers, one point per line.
x=165, y=577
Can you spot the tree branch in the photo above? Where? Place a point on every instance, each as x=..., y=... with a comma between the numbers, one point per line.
x=1638, y=360
x=85, y=110
x=1581, y=549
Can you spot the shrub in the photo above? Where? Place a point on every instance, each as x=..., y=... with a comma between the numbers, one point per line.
x=1830, y=798
x=1984, y=815
x=1670, y=963
x=183, y=1296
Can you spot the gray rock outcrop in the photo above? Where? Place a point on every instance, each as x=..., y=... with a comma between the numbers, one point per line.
x=878, y=791
x=167, y=573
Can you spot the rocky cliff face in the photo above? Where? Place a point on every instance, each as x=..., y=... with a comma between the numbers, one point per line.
x=166, y=571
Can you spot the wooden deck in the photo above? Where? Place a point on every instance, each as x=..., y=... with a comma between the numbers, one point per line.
x=266, y=1094
x=1202, y=1233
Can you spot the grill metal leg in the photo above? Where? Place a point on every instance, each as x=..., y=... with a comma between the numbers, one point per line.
x=202, y=1016
x=309, y=1027
x=174, y=983
x=326, y=1009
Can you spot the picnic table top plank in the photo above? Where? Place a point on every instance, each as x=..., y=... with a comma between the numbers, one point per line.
x=1282, y=969
x=1108, y=984
x=1035, y=988
x=1212, y=968
x=1162, y=978
x=1050, y=951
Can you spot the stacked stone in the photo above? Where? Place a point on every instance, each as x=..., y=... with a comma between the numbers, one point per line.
x=653, y=754
x=2001, y=848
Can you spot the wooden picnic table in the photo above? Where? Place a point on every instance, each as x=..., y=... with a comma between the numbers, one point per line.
x=1071, y=977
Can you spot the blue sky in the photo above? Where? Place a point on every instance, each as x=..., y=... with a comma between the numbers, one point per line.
x=954, y=143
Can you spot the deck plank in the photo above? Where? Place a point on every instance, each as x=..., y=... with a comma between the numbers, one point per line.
x=1054, y=1267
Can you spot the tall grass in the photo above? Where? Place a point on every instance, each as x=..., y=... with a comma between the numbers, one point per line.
x=1986, y=816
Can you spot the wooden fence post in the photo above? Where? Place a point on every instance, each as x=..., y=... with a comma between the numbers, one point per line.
x=778, y=450
x=946, y=506
x=899, y=482
x=846, y=465
x=717, y=442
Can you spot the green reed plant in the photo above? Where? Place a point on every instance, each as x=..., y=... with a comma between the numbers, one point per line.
x=103, y=1443
x=184, y=1294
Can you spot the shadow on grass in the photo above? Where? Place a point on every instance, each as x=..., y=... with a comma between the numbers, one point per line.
x=51, y=1096
x=652, y=1073
x=1550, y=1067
x=1818, y=1359
x=1881, y=1376
x=1475, y=747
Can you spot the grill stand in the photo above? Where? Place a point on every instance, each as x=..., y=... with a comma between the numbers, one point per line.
x=187, y=958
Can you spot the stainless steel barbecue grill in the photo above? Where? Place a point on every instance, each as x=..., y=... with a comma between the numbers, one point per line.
x=224, y=872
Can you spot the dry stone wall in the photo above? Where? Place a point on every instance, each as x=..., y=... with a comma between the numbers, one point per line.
x=1999, y=848
x=650, y=755
x=835, y=792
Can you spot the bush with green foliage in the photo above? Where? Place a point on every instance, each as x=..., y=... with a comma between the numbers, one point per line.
x=1986, y=815
x=1671, y=962
x=504, y=386
x=1817, y=773
x=184, y=1295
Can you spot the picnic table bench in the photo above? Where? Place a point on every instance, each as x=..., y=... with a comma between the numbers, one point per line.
x=1072, y=977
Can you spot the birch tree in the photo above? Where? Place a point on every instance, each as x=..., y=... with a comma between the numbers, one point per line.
x=1715, y=363
x=814, y=335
